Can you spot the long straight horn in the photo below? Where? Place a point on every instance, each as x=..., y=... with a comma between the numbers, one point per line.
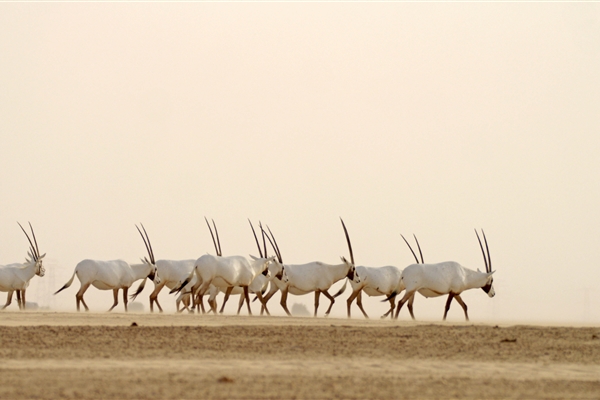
x=30, y=243
x=274, y=245
x=256, y=238
x=411, y=249
x=419, y=246
x=37, y=250
x=488, y=252
x=487, y=268
x=213, y=236
x=149, y=245
x=263, y=237
x=145, y=244
x=348, y=240
x=217, y=235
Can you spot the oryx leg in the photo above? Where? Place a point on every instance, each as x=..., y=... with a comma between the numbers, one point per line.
x=79, y=296
x=391, y=310
x=317, y=294
x=284, y=294
x=359, y=303
x=184, y=301
x=21, y=296
x=213, y=306
x=450, y=297
x=247, y=297
x=198, y=302
x=463, y=305
x=263, y=302
x=406, y=297
x=410, y=306
x=125, y=289
x=240, y=303
x=272, y=290
x=227, y=293
x=330, y=297
x=154, y=296
x=353, y=295
x=9, y=299
x=116, y=297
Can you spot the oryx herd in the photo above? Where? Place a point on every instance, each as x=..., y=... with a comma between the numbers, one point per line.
x=262, y=276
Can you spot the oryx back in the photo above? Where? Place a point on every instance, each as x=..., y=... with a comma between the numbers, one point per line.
x=379, y=281
x=105, y=275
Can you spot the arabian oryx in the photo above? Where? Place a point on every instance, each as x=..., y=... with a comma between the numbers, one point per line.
x=114, y=275
x=315, y=277
x=257, y=286
x=16, y=277
x=451, y=278
x=226, y=272
x=380, y=281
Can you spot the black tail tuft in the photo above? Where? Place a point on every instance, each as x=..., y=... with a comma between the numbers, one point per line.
x=391, y=296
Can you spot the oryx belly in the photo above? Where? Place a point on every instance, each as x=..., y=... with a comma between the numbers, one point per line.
x=298, y=292
x=430, y=293
x=373, y=292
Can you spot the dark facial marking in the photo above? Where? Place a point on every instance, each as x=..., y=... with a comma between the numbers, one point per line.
x=488, y=287
x=350, y=274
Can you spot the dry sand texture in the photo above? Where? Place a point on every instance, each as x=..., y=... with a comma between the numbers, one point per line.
x=87, y=355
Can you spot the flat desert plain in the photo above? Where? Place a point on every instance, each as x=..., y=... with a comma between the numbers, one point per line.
x=159, y=356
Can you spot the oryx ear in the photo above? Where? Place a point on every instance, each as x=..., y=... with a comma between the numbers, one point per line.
x=478, y=270
x=42, y=256
x=491, y=273
x=252, y=257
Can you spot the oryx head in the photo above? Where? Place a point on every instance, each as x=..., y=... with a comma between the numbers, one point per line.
x=276, y=266
x=151, y=263
x=34, y=252
x=352, y=275
x=488, y=287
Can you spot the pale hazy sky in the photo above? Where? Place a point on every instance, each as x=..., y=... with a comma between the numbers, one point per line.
x=432, y=119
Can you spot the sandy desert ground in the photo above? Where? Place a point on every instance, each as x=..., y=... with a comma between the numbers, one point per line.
x=106, y=355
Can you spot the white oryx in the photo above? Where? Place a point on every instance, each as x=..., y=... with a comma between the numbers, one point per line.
x=16, y=277
x=451, y=278
x=381, y=281
x=257, y=286
x=114, y=275
x=315, y=277
x=228, y=272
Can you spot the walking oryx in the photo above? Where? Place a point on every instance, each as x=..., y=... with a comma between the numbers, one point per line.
x=315, y=277
x=16, y=277
x=227, y=272
x=114, y=275
x=379, y=281
x=451, y=278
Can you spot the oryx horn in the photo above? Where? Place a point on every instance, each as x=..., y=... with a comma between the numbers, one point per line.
x=488, y=261
x=147, y=243
x=411, y=249
x=34, y=250
x=348, y=240
x=274, y=245
x=217, y=249
x=256, y=239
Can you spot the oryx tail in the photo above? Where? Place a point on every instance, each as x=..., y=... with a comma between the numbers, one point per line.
x=342, y=290
x=66, y=284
